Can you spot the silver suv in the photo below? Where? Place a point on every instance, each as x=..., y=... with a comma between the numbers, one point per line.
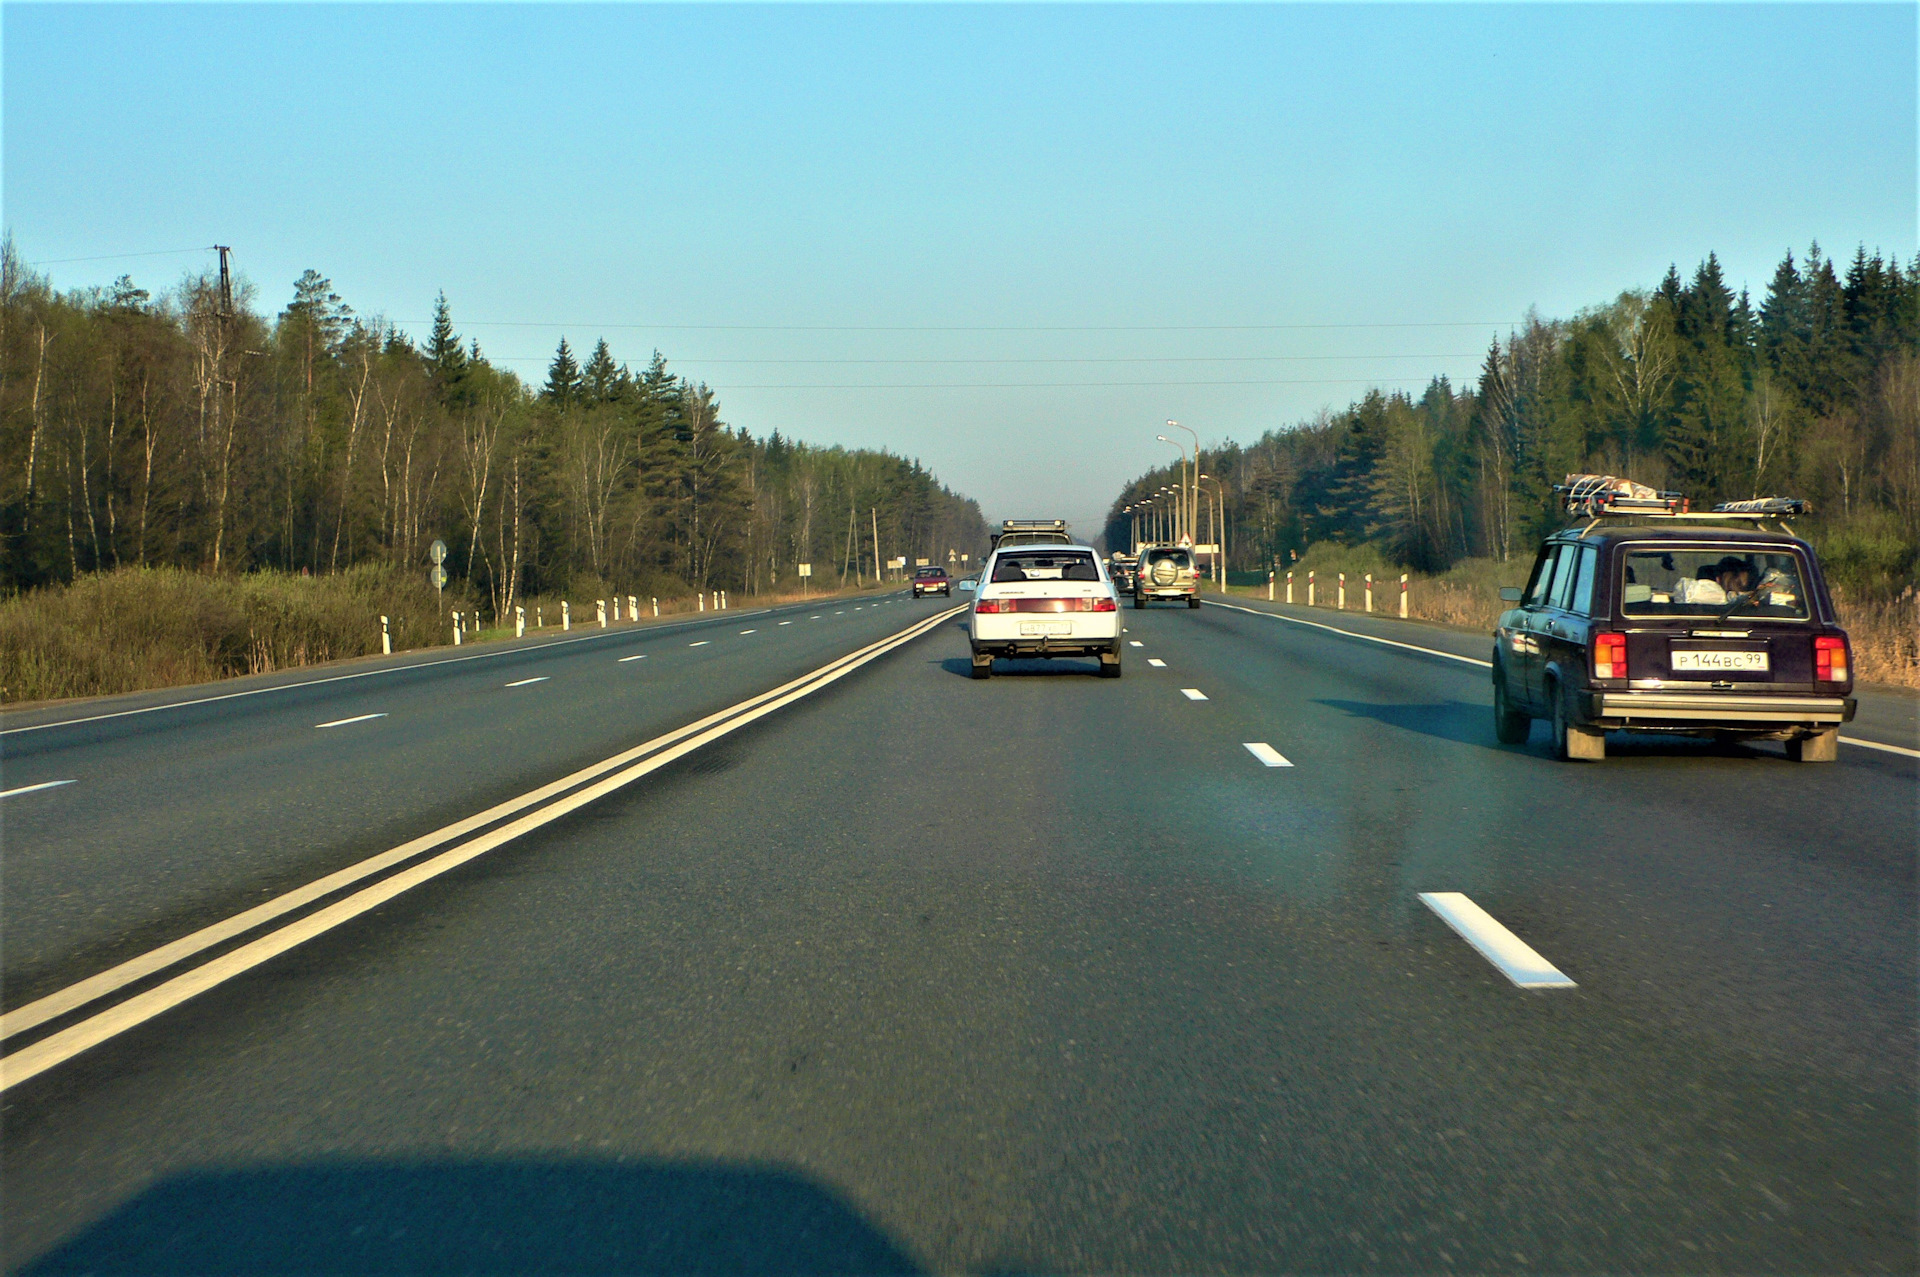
x=1166, y=572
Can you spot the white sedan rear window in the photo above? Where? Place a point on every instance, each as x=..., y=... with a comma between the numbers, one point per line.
x=1046, y=565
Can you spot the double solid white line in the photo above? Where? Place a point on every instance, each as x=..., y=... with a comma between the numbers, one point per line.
x=561, y=797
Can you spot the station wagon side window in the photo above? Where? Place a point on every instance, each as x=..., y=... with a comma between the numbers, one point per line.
x=1540, y=589
x=1580, y=596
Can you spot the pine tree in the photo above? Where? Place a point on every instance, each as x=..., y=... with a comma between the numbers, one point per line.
x=563, y=377
x=1783, y=321
x=601, y=376
x=446, y=359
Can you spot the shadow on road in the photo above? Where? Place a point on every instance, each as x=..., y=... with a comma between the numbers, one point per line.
x=1473, y=725
x=505, y=1216
x=1449, y=720
x=1008, y=668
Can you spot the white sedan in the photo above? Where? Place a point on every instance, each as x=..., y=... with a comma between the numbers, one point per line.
x=1045, y=600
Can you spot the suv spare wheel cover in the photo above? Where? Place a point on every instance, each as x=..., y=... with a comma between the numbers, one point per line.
x=1164, y=572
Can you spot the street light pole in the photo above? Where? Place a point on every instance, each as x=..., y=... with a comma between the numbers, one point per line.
x=1216, y=514
x=1193, y=509
x=1182, y=524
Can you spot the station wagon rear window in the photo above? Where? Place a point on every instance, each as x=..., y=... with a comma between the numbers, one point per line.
x=1046, y=565
x=1713, y=581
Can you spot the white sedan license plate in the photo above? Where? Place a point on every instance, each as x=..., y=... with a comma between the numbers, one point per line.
x=1719, y=662
x=1037, y=628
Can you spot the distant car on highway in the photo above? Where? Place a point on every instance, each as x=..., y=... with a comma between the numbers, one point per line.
x=1166, y=572
x=1045, y=601
x=929, y=580
x=1123, y=568
x=1031, y=532
x=1688, y=628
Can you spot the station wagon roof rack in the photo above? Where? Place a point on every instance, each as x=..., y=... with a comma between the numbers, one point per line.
x=1597, y=497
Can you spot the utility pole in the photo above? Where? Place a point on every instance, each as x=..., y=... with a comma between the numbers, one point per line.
x=874, y=511
x=226, y=282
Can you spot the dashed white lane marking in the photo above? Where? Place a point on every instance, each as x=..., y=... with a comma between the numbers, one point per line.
x=342, y=722
x=623, y=660
x=34, y=789
x=1156, y=662
x=1133, y=643
x=1874, y=744
x=1514, y=958
x=814, y=617
x=701, y=643
x=1193, y=694
x=538, y=679
x=786, y=622
x=1267, y=754
x=839, y=613
x=749, y=631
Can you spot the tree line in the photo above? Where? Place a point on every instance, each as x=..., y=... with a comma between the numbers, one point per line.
x=190, y=430
x=1813, y=393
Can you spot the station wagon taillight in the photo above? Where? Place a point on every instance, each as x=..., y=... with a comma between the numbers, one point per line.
x=1105, y=605
x=1830, y=659
x=993, y=605
x=1609, y=656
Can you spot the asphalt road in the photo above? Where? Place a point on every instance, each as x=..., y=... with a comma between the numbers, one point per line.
x=1042, y=973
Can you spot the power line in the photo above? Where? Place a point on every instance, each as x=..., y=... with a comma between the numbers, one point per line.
x=1067, y=385
x=1117, y=359
x=983, y=328
x=114, y=257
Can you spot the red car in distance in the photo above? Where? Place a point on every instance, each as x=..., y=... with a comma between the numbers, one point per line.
x=927, y=580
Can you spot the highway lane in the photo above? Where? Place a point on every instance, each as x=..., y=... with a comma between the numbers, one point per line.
x=190, y=812
x=1052, y=973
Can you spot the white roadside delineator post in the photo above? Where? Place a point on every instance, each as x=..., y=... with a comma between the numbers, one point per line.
x=539, y=616
x=1269, y=585
x=1289, y=585
x=566, y=614
x=1369, y=591
x=386, y=639
x=519, y=622
x=616, y=607
x=703, y=600
x=656, y=606
x=601, y=604
x=1311, y=587
x=456, y=629
x=1343, y=592
x=633, y=608
x=1403, y=596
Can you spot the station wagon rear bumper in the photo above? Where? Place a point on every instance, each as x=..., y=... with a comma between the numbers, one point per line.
x=1706, y=709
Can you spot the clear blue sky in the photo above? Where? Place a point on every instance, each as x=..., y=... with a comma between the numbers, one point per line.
x=641, y=171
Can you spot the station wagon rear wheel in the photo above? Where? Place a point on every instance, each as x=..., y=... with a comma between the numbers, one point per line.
x=1575, y=744
x=1510, y=726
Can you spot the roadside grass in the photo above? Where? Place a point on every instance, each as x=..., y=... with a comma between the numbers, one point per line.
x=137, y=629
x=1885, y=632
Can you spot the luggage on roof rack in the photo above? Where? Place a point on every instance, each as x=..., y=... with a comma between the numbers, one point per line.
x=1763, y=505
x=1596, y=494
